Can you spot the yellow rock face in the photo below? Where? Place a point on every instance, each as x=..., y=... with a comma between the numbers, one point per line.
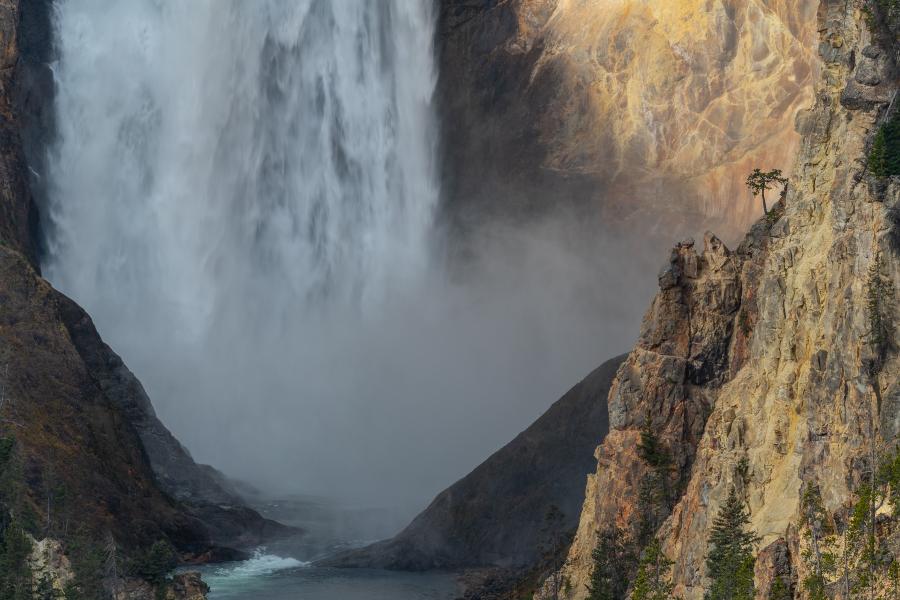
x=699, y=90
x=800, y=396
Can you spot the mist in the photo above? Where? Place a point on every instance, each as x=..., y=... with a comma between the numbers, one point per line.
x=245, y=199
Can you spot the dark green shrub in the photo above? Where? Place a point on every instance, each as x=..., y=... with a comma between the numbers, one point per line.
x=156, y=562
x=884, y=157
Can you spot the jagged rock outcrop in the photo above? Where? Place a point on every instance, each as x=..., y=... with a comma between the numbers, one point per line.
x=495, y=516
x=766, y=378
x=652, y=111
x=50, y=565
x=669, y=382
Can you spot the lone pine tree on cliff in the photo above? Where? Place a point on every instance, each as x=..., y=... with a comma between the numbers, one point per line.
x=759, y=181
x=730, y=560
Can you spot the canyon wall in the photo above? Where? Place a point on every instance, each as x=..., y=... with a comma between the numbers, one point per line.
x=18, y=212
x=757, y=366
x=92, y=457
x=651, y=112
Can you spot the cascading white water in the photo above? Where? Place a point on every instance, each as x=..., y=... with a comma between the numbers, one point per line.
x=242, y=195
x=252, y=165
x=209, y=144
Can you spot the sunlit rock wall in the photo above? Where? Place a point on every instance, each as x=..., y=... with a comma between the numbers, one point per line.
x=623, y=102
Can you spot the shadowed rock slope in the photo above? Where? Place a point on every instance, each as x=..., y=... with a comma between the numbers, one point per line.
x=18, y=212
x=495, y=516
x=78, y=415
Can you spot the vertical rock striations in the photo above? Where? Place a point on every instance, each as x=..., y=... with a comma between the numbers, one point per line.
x=655, y=111
x=758, y=368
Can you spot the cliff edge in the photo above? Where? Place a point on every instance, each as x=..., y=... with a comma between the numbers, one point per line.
x=769, y=369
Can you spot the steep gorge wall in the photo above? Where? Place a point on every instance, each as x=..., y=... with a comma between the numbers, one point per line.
x=765, y=354
x=18, y=212
x=80, y=419
x=651, y=112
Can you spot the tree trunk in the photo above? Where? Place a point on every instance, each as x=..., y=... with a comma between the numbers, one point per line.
x=765, y=208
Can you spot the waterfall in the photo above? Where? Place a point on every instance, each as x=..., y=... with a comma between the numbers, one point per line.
x=238, y=173
x=243, y=196
x=214, y=152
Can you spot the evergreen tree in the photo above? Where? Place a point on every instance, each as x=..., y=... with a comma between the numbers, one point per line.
x=759, y=181
x=614, y=563
x=780, y=590
x=655, y=489
x=730, y=560
x=819, y=555
x=154, y=564
x=880, y=310
x=884, y=156
x=651, y=449
x=878, y=155
x=15, y=571
x=15, y=545
x=87, y=558
x=652, y=581
x=888, y=477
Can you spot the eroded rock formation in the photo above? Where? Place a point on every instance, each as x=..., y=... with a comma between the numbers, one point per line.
x=654, y=111
x=758, y=367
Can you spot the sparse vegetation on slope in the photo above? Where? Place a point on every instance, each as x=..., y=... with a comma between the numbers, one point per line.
x=15, y=546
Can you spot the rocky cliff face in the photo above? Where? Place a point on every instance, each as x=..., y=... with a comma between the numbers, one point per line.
x=498, y=514
x=758, y=366
x=18, y=212
x=652, y=111
x=84, y=429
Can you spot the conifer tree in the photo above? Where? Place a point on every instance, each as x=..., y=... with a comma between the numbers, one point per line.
x=759, y=181
x=730, y=560
x=614, y=563
x=652, y=581
x=655, y=489
x=878, y=155
x=884, y=156
x=651, y=449
x=15, y=571
x=820, y=558
x=880, y=310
